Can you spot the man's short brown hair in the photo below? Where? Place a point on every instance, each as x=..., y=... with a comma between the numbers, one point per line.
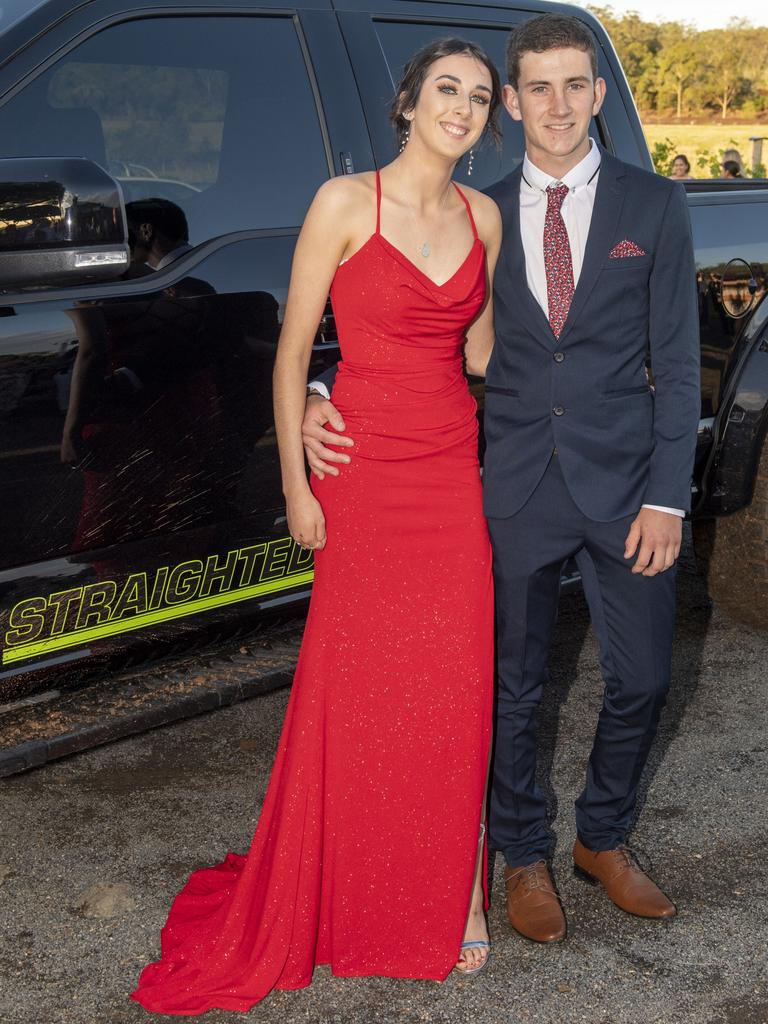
x=548, y=32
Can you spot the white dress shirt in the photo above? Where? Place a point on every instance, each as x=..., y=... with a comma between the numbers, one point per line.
x=576, y=211
x=577, y=215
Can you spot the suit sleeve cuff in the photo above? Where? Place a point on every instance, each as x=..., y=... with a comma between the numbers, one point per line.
x=663, y=508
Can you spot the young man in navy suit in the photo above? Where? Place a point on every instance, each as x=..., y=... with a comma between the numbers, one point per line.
x=585, y=457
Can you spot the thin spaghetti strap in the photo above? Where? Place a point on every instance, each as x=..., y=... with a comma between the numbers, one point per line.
x=469, y=209
x=378, y=203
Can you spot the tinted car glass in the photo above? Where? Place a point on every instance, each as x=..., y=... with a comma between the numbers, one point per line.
x=190, y=109
x=160, y=122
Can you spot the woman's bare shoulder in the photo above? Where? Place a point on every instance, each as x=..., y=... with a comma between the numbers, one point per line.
x=346, y=194
x=480, y=202
x=485, y=212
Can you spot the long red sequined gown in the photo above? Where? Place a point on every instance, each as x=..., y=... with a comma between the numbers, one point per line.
x=364, y=854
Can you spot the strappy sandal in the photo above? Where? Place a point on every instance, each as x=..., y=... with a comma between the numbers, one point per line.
x=474, y=944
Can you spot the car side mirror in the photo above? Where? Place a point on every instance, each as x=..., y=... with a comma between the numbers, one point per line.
x=62, y=222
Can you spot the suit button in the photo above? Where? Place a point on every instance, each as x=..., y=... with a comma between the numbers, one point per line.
x=559, y=357
x=558, y=410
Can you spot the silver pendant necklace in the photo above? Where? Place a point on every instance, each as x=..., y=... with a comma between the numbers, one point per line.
x=426, y=248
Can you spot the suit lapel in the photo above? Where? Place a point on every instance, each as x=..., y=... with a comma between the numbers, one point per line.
x=609, y=199
x=532, y=313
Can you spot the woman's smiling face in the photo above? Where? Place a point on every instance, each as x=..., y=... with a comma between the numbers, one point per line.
x=451, y=111
x=680, y=167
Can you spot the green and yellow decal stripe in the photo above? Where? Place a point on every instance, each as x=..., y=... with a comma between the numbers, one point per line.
x=82, y=615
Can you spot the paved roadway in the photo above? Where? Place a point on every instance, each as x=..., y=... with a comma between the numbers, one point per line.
x=94, y=847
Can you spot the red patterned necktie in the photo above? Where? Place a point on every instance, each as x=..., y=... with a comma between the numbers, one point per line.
x=557, y=259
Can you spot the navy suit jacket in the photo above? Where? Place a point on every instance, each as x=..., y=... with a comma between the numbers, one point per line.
x=620, y=443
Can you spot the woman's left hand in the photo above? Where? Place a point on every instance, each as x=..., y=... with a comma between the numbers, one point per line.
x=306, y=521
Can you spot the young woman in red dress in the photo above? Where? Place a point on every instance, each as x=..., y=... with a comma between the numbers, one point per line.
x=368, y=855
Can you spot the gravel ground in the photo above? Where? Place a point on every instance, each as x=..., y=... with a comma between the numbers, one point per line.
x=94, y=847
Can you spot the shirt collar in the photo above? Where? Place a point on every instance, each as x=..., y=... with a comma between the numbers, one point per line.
x=577, y=177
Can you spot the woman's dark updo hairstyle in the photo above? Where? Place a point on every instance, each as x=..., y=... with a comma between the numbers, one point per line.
x=415, y=72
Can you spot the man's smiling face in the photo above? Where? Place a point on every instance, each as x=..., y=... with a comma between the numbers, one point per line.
x=556, y=99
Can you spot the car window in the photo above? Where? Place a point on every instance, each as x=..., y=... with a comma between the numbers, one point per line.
x=400, y=40
x=158, y=123
x=194, y=110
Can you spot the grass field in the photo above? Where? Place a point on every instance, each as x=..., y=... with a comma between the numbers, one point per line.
x=691, y=138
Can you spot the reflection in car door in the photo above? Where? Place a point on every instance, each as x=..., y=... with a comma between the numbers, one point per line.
x=138, y=440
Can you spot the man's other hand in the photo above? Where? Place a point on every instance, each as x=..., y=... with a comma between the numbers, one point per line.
x=322, y=421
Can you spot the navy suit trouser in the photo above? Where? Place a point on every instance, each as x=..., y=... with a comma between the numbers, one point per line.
x=633, y=617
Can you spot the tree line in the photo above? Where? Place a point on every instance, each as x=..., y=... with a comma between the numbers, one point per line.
x=673, y=68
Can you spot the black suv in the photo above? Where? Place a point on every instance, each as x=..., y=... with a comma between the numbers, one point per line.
x=138, y=464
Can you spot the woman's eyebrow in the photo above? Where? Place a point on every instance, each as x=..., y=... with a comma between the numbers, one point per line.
x=453, y=78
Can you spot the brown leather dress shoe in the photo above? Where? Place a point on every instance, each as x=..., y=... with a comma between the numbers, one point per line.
x=623, y=879
x=533, y=907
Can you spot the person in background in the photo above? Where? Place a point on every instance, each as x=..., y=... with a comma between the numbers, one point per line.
x=735, y=156
x=681, y=168
x=731, y=169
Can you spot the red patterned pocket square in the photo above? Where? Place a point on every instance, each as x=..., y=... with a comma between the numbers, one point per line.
x=625, y=248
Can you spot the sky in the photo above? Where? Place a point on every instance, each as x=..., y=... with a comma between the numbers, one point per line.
x=702, y=14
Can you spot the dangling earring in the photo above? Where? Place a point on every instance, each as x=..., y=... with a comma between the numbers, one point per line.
x=471, y=158
x=404, y=136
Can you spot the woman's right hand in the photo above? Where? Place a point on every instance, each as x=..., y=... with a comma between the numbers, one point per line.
x=306, y=522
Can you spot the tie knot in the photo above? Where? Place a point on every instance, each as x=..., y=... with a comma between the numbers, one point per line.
x=556, y=194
